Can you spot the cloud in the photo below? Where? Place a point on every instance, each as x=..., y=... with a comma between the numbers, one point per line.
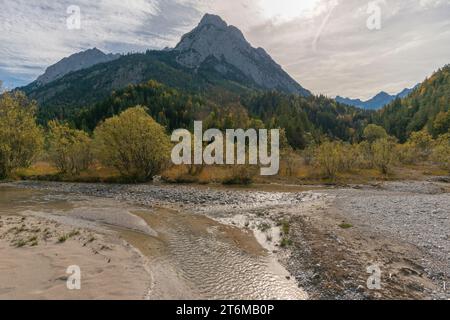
x=344, y=58
x=348, y=58
x=34, y=34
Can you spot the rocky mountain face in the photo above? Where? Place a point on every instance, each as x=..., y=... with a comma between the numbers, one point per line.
x=377, y=102
x=213, y=38
x=75, y=62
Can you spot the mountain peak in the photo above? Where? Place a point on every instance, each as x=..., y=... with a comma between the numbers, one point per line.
x=212, y=19
x=382, y=94
x=211, y=30
x=94, y=50
x=213, y=40
x=75, y=62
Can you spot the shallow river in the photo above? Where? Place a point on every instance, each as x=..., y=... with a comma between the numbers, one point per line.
x=190, y=256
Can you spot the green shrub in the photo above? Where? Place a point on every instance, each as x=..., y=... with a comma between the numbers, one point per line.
x=241, y=175
x=373, y=133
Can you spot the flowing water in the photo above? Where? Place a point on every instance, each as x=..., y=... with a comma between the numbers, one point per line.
x=190, y=256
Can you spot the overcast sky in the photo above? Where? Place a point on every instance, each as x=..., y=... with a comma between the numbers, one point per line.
x=326, y=45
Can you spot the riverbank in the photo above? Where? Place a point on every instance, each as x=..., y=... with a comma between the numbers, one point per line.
x=402, y=229
x=303, y=174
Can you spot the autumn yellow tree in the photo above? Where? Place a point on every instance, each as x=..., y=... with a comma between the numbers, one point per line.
x=21, y=139
x=422, y=145
x=372, y=133
x=383, y=154
x=133, y=143
x=70, y=150
x=328, y=157
x=441, y=151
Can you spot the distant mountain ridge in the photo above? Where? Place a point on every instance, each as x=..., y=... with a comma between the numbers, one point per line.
x=377, y=102
x=75, y=62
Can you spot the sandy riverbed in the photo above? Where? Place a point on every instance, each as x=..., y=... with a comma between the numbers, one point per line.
x=34, y=261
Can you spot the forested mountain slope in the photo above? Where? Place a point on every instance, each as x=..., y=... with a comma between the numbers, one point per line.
x=428, y=106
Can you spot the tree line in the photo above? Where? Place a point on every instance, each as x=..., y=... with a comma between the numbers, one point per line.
x=305, y=119
x=132, y=142
x=379, y=151
x=128, y=131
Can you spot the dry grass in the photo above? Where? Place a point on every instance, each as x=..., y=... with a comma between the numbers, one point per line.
x=38, y=169
x=207, y=174
x=292, y=173
x=45, y=171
